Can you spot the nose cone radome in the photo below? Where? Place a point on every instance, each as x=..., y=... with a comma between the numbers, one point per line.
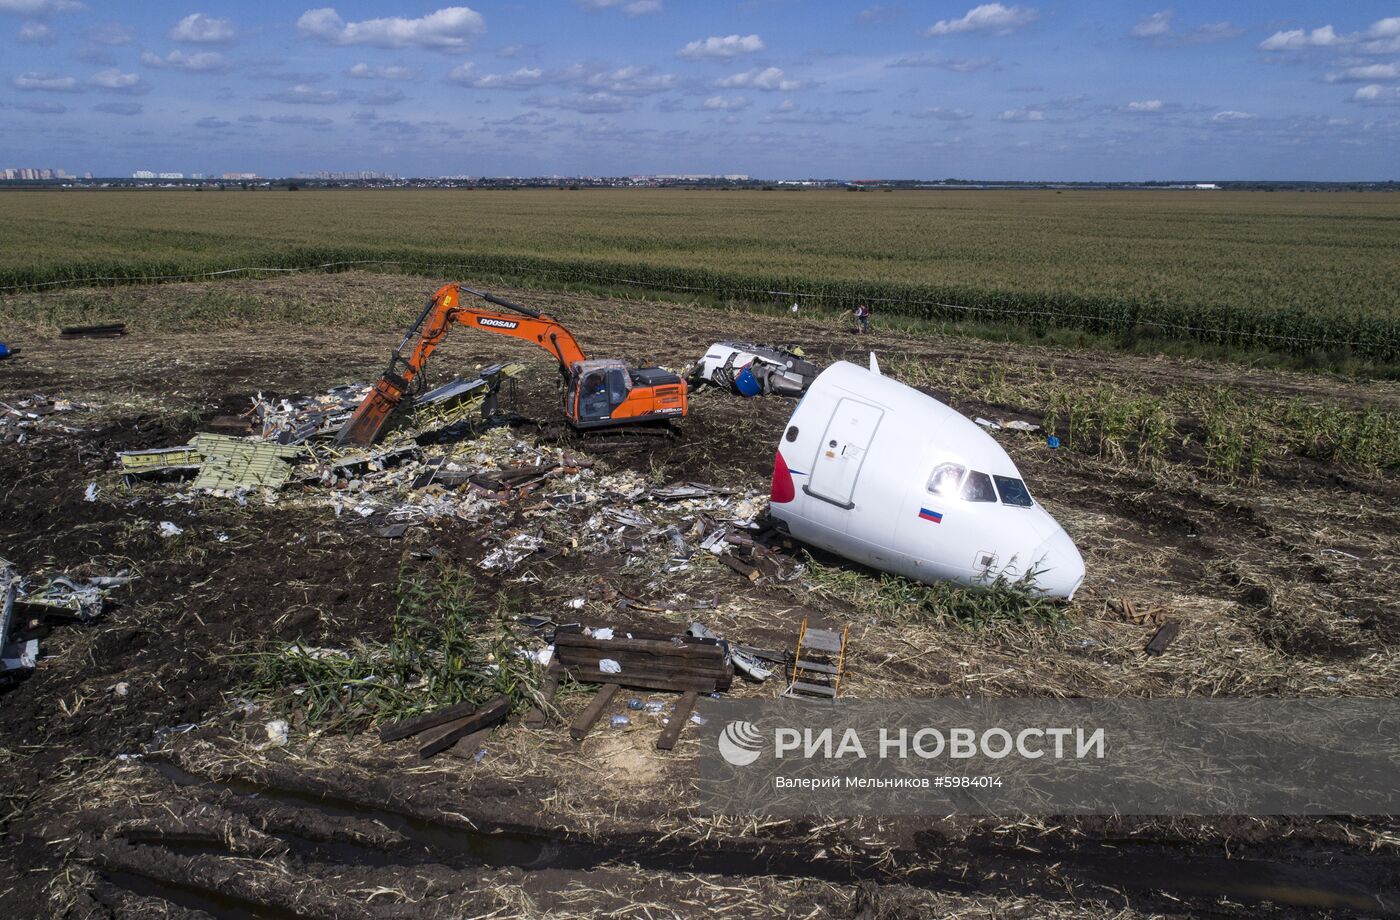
x=1059, y=567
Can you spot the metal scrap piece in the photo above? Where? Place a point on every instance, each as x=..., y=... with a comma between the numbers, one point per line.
x=236, y=463
x=146, y=462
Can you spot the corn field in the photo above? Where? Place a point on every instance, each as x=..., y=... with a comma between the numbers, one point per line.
x=1303, y=274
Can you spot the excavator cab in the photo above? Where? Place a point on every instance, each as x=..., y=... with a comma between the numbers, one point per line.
x=608, y=392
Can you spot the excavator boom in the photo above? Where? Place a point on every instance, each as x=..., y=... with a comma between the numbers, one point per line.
x=427, y=332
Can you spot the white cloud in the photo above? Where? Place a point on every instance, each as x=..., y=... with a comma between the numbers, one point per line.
x=627, y=81
x=956, y=65
x=629, y=7
x=1146, y=105
x=32, y=81
x=198, y=62
x=1375, y=94
x=724, y=103
x=1366, y=73
x=587, y=103
x=39, y=7
x=1384, y=36
x=622, y=81
x=770, y=79
x=989, y=17
x=521, y=78
x=1153, y=26
x=1299, y=39
x=1157, y=29
x=453, y=28
x=1022, y=115
x=36, y=33
x=1230, y=115
x=381, y=72
x=721, y=46
x=203, y=30
x=941, y=114
x=309, y=121
x=304, y=94
x=113, y=80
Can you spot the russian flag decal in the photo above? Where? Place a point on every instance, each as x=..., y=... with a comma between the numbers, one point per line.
x=927, y=515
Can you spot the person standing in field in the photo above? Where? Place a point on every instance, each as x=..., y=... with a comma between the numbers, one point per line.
x=863, y=319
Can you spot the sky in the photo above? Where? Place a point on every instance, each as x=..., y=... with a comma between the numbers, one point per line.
x=1121, y=91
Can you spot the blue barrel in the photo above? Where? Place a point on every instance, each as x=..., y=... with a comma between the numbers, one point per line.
x=747, y=384
x=4, y=351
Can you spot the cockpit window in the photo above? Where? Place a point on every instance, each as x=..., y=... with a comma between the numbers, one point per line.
x=978, y=488
x=945, y=479
x=1013, y=492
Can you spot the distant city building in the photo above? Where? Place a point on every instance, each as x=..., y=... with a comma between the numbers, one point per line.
x=171, y=175
x=24, y=172
x=239, y=175
x=360, y=176
x=143, y=174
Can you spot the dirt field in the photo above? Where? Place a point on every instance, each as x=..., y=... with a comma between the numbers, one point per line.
x=1283, y=586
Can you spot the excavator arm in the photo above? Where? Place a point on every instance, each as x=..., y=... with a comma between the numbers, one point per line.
x=427, y=332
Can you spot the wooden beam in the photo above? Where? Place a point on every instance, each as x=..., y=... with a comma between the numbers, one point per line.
x=443, y=737
x=586, y=719
x=1162, y=638
x=681, y=715
x=397, y=731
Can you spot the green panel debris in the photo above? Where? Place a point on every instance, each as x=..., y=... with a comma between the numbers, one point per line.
x=141, y=462
x=235, y=463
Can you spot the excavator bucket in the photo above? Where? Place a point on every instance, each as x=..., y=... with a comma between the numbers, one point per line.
x=368, y=420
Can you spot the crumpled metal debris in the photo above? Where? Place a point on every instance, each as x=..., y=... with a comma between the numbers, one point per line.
x=744, y=661
x=22, y=419
x=60, y=596
x=509, y=555
x=755, y=370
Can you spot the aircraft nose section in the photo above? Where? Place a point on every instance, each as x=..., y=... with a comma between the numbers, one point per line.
x=1059, y=567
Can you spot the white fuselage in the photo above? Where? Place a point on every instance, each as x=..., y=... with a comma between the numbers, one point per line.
x=874, y=470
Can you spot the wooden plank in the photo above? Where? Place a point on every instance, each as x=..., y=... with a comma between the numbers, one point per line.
x=802, y=686
x=672, y=732
x=586, y=719
x=397, y=731
x=442, y=738
x=645, y=679
x=700, y=648
x=466, y=748
x=573, y=657
x=1162, y=638
x=738, y=565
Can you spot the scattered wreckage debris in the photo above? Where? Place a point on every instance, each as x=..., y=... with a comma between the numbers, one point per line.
x=20, y=419
x=59, y=598
x=746, y=660
x=818, y=662
x=301, y=419
x=878, y=472
x=755, y=370
x=98, y=331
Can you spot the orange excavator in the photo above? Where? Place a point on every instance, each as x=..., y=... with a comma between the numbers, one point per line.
x=597, y=393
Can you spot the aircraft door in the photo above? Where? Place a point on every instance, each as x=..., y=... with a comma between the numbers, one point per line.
x=842, y=451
